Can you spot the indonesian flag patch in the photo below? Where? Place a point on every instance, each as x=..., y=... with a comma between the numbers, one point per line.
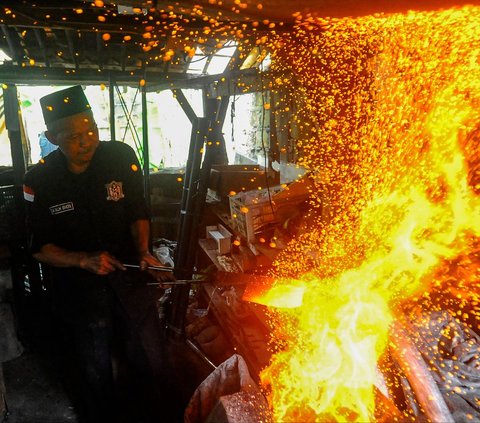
x=114, y=191
x=28, y=193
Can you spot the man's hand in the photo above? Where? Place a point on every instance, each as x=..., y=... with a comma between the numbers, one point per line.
x=147, y=259
x=100, y=263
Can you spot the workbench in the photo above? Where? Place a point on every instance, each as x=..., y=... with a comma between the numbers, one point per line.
x=245, y=324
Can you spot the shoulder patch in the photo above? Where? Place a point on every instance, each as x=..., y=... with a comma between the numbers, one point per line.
x=28, y=193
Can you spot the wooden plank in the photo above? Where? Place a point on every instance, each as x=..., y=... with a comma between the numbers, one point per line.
x=71, y=46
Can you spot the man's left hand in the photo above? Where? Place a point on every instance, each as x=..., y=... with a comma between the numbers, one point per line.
x=147, y=259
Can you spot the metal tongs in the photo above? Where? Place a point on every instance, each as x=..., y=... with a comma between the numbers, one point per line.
x=159, y=268
x=162, y=269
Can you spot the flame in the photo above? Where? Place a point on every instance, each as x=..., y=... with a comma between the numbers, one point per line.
x=282, y=295
x=391, y=109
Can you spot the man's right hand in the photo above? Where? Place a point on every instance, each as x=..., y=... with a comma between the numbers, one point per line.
x=100, y=263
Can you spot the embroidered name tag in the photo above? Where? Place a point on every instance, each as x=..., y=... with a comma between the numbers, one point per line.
x=61, y=208
x=114, y=191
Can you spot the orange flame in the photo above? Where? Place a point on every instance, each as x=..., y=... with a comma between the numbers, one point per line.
x=391, y=103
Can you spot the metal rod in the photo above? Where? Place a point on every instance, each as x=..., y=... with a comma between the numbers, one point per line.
x=145, y=148
x=179, y=282
x=200, y=353
x=159, y=268
x=111, y=96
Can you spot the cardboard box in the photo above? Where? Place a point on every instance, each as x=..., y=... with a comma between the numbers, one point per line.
x=222, y=238
x=252, y=210
x=225, y=179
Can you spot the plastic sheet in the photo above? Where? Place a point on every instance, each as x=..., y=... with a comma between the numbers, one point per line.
x=228, y=388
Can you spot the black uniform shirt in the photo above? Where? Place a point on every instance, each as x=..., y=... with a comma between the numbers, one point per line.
x=91, y=211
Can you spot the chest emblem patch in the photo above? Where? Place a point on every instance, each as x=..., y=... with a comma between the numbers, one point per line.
x=114, y=191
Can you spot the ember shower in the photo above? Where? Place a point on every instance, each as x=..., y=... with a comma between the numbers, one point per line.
x=389, y=128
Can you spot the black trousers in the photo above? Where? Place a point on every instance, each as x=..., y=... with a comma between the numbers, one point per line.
x=96, y=327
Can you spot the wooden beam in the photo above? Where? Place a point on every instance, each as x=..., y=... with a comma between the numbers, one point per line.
x=123, y=57
x=213, y=82
x=239, y=82
x=215, y=111
x=71, y=47
x=13, y=52
x=33, y=75
x=234, y=63
x=99, y=51
x=184, y=104
x=42, y=43
x=207, y=63
x=157, y=79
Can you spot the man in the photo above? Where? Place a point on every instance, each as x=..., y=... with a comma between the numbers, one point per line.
x=87, y=216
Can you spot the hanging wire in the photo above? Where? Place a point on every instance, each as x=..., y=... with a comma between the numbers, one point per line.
x=264, y=148
x=128, y=116
x=232, y=115
x=130, y=125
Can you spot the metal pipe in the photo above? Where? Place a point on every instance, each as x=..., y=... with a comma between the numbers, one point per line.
x=146, y=156
x=178, y=282
x=185, y=254
x=111, y=96
x=418, y=374
x=159, y=268
x=200, y=353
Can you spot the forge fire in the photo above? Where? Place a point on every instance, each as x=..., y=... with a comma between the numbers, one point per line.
x=390, y=128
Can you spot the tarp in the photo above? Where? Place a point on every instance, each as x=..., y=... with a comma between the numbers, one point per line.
x=230, y=386
x=452, y=350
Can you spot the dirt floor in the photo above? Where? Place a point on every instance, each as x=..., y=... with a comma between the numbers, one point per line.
x=36, y=385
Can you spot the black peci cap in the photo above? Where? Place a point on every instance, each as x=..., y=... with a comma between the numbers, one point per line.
x=64, y=103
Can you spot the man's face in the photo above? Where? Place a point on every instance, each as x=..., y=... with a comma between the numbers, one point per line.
x=77, y=138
